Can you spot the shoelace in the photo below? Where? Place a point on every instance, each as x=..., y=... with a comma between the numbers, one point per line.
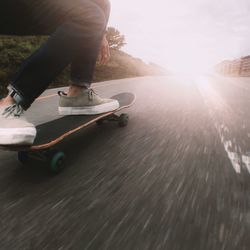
x=13, y=110
x=91, y=94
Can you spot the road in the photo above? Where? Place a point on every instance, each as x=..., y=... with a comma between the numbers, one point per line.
x=177, y=178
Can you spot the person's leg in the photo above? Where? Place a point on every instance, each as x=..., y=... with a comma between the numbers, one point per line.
x=81, y=99
x=82, y=67
x=78, y=32
x=82, y=71
x=79, y=35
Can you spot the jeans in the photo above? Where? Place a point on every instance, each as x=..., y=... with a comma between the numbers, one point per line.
x=76, y=29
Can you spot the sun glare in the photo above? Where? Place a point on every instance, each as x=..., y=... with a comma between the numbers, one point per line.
x=189, y=68
x=189, y=62
x=182, y=36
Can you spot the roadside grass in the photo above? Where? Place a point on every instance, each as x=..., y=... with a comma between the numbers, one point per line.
x=14, y=50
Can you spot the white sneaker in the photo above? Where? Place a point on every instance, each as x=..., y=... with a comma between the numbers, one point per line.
x=86, y=103
x=14, y=129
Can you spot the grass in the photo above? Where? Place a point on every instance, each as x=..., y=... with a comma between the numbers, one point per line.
x=14, y=50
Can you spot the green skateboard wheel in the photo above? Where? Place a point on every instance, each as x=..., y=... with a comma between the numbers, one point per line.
x=57, y=162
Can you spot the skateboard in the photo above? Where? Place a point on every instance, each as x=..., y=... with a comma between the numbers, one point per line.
x=53, y=132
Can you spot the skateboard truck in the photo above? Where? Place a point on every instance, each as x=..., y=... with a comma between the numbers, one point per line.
x=121, y=119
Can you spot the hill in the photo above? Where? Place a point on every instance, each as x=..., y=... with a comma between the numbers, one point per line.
x=13, y=50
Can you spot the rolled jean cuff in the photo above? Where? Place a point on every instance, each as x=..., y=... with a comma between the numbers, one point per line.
x=80, y=83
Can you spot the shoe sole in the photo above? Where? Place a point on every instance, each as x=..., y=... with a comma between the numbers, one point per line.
x=17, y=136
x=91, y=110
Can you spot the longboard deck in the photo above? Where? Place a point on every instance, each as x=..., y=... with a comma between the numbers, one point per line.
x=51, y=133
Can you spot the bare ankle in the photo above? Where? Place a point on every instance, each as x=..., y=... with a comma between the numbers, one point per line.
x=74, y=90
x=8, y=100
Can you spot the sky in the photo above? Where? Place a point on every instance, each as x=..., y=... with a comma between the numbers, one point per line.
x=184, y=35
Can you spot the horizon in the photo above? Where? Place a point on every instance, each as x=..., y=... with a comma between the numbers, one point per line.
x=185, y=37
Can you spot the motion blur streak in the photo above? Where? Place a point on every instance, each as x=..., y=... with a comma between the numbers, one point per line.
x=163, y=182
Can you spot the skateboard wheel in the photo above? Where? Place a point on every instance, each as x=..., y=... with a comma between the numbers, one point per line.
x=57, y=162
x=23, y=157
x=123, y=120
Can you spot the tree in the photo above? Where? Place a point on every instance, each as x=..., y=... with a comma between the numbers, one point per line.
x=115, y=38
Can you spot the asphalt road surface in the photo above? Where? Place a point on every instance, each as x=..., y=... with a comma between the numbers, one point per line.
x=176, y=178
